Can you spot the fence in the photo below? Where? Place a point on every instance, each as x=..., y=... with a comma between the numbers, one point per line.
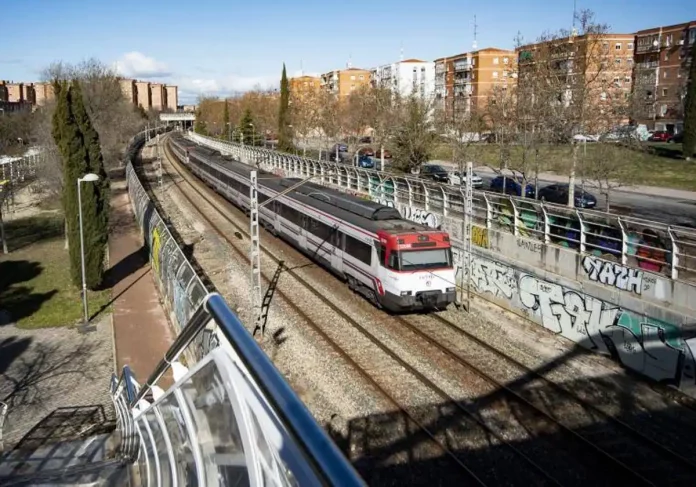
x=657, y=247
x=181, y=289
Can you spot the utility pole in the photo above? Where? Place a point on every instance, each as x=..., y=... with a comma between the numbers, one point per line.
x=468, y=214
x=255, y=251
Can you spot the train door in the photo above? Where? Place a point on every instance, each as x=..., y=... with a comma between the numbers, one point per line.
x=336, y=242
x=302, y=235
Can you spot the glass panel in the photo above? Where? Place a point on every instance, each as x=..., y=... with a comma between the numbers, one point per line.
x=216, y=426
x=176, y=428
x=152, y=480
x=144, y=456
x=160, y=448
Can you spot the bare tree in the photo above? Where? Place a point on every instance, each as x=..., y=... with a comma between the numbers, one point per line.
x=415, y=135
x=607, y=168
x=305, y=114
x=115, y=118
x=330, y=119
x=380, y=112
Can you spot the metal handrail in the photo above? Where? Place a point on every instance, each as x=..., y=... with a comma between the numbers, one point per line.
x=325, y=458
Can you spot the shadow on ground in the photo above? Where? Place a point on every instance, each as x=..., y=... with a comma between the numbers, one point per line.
x=17, y=301
x=653, y=447
x=32, y=229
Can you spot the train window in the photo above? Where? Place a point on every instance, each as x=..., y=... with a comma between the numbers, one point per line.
x=381, y=253
x=262, y=197
x=291, y=214
x=337, y=238
x=394, y=260
x=319, y=229
x=359, y=250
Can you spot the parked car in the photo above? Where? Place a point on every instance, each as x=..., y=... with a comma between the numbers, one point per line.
x=366, y=140
x=585, y=138
x=512, y=186
x=434, y=172
x=366, y=151
x=458, y=179
x=677, y=138
x=338, y=149
x=558, y=193
x=365, y=162
x=387, y=154
x=659, y=136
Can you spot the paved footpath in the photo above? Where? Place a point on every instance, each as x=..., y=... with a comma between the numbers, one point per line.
x=142, y=333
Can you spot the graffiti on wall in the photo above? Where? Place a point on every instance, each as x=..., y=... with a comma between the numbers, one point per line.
x=420, y=216
x=156, y=247
x=613, y=274
x=656, y=348
x=479, y=236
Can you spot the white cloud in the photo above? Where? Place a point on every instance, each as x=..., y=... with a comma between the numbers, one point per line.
x=192, y=88
x=138, y=65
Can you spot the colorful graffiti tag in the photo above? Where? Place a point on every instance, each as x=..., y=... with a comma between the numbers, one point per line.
x=658, y=349
x=612, y=274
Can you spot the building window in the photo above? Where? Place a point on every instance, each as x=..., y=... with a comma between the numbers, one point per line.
x=352, y=78
x=617, y=46
x=663, y=110
x=505, y=74
x=605, y=46
x=664, y=74
x=506, y=60
x=495, y=74
x=617, y=62
x=495, y=60
x=627, y=79
x=629, y=61
x=664, y=91
x=361, y=77
x=629, y=46
x=603, y=96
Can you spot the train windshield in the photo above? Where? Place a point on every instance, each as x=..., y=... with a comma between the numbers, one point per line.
x=414, y=260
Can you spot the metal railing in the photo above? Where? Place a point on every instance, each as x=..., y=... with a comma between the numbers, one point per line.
x=232, y=415
x=657, y=247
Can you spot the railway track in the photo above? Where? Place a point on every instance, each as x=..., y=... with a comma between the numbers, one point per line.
x=605, y=458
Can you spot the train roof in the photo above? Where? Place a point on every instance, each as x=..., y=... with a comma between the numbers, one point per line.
x=366, y=214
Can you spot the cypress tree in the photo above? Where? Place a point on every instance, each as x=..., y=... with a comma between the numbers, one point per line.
x=284, y=131
x=68, y=138
x=689, y=144
x=226, y=120
x=247, y=128
x=95, y=195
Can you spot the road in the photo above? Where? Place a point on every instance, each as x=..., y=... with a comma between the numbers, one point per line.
x=672, y=211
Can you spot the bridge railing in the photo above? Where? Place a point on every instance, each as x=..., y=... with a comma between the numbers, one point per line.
x=658, y=247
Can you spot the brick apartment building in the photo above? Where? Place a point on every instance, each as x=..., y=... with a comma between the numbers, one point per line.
x=342, y=82
x=595, y=67
x=303, y=84
x=151, y=96
x=662, y=60
x=464, y=82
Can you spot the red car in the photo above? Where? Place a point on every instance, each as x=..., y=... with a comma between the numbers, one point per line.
x=660, y=136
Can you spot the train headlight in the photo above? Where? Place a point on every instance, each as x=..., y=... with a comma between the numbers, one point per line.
x=451, y=289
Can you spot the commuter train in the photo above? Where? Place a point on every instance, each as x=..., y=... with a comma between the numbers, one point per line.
x=395, y=263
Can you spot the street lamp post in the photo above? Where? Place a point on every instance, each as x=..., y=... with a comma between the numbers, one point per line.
x=89, y=178
x=253, y=134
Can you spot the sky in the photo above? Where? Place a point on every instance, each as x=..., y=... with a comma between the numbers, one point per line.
x=219, y=47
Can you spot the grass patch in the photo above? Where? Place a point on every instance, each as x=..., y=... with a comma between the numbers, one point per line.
x=32, y=229
x=659, y=165
x=35, y=286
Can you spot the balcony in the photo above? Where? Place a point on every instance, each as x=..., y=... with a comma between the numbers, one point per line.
x=461, y=81
x=647, y=44
x=647, y=65
x=462, y=65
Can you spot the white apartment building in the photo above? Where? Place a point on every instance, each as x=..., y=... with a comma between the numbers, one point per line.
x=411, y=76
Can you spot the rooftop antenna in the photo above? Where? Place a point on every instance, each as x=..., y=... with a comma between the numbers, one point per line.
x=475, y=43
x=301, y=68
x=349, y=64
x=575, y=14
x=402, y=51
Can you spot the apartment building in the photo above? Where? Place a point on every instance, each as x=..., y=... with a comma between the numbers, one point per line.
x=158, y=97
x=662, y=58
x=172, y=97
x=342, y=82
x=303, y=84
x=43, y=93
x=464, y=82
x=407, y=77
x=595, y=67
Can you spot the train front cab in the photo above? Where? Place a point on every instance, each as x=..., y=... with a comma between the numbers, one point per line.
x=416, y=271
